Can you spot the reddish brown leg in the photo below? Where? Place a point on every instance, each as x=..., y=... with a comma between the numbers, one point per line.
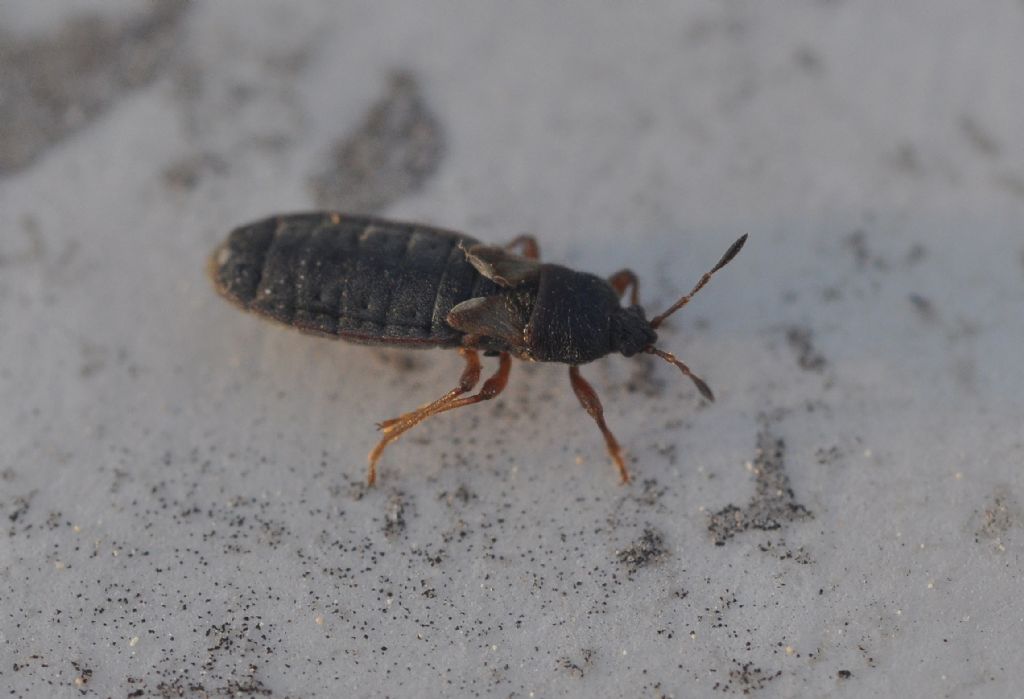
x=626, y=279
x=528, y=244
x=592, y=404
x=491, y=388
x=393, y=429
x=470, y=377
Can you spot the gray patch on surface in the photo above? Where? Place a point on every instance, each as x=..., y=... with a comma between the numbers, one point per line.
x=644, y=379
x=184, y=174
x=923, y=306
x=1002, y=512
x=808, y=60
x=828, y=455
x=235, y=652
x=916, y=253
x=857, y=243
x=15, y=508
x=906, y=160
x=577, y=668
x=391, y=154
x=647, y=550
x=801, y=341
x=461, y=496
x=782, y=551
x=1011, y=182
x=394, y=516
x=745, y=678
x=34, y=249
x=774, y=502
x=52, y=86
x=979, y=137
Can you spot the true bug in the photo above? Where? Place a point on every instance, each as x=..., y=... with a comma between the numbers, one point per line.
x=380, y=282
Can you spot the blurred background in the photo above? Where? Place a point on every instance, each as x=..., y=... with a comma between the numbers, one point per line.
x=182, y=485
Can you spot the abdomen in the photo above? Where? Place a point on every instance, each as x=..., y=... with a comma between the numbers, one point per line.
x=360, y=278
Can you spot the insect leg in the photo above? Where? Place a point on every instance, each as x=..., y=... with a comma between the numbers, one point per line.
x=492, y=387
x=592, y=404
x=528, y=244
x=626, y=279
x=470, y=377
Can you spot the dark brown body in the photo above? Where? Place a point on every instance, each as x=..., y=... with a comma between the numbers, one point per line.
x=381, y=282
x=359, y=278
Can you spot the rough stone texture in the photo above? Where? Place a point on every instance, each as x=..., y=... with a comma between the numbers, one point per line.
x=181, y=494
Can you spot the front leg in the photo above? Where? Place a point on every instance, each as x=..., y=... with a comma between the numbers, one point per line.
x=592, y=404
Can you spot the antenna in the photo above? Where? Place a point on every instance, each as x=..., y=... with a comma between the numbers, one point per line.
x=697, y=381
x=657, y=320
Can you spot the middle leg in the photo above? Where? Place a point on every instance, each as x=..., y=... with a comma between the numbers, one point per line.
x=592, y=404
x=626, y=279
x=529, y=245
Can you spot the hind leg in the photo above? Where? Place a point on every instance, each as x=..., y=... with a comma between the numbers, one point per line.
x=395, y=427
x=470, y=377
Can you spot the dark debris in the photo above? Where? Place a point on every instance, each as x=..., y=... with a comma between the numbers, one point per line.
x=745, y=678
x=801, y=341
x=774, y=502
x=649, y=549
x=1002, y=513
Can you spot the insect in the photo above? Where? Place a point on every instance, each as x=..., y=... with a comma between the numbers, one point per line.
x=379, y=282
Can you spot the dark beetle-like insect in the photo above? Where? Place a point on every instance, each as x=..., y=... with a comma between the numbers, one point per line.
x=380, y=282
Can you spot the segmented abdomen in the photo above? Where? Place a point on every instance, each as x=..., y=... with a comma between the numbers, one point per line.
x=360, y=278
